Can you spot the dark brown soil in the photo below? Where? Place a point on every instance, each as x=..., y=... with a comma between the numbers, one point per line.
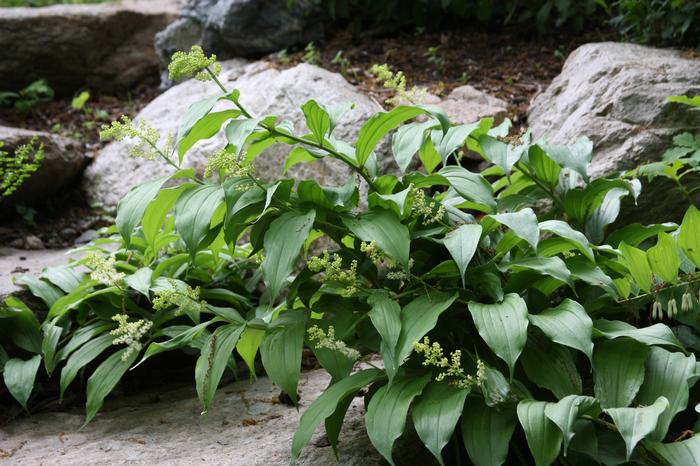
x=509, y=62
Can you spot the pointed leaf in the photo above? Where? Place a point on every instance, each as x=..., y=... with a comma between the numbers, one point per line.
x=386, y=318
x=634, y=424
x=212, y=362
x=435, y=415
x=685, y=453
x=471, y=186
x=543, y=436
x=387, y=410
x=462, y=243
x=688, y=238
x=567, y=324
x=618, y=371
x=486, y=432
x=104, y=379
x=281, y=350
x=664, y=258
x=379, y=125
x=503, y=326
x=523, y=223
x=19, y=377
x=283, y=242
x=565, y=412
x=385, y=228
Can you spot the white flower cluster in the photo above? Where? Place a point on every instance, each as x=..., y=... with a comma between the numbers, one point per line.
x=102, y=269
x=327, y=340
x=130, y=334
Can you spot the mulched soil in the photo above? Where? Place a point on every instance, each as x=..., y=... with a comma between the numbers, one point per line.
x=509, y=62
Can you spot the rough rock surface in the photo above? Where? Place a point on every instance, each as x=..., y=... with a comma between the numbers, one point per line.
x=615, y=93
x=466, y=104
x=103, y=46
x=244, y=427
x=240, y=28
x=264, y=91
x=63, y=161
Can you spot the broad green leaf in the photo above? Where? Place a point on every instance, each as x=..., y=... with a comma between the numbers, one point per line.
x=565, y=412
x=296, y=156
x=140, y=280
x=248, y=346
x=428, y=154
x=454, y=138
x=194, y=210
x=19, y=325
x=563, y=230
x=205, y=128
x=559, y=375
x=83, y=335
x=635, y=233
x=502, y=154
x=131, y=208
x=396, y=202
x=668, y=375
x=618, y=367
x=605, y=214
x=523, y=223
x=486, y=432
x=281, y=351
x=180, y=340
x=567, y=324
x=42, y=289
x=657, y=334
x=386, y=318
x=283, y=242
x=503, y=326
x=684, y=99
x=385, y=228
x=212, y=362
x=636, y=262
x=104, y=379
x=554, y=267
x=576, y=156
x=684, y=453
x=317, y=120
x=543, y=436
x=435, y=415
x=688, y=237
x=326, y=404
x=49, y=345
x=378, y=126
x=238, y=131
x=545, y=168
x=462, y=243
x=19, y=377
x=64, y=277
x=634, y=424
x=418, y=318
x=387, y=410
x=156, y=211
x=664, y=258
x=407, y=140
x=82, y=357
x=471, y=186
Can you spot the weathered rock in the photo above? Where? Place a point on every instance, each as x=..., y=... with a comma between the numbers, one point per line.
x=244, y=428
x=63, y=161
x=264, y=91
x=240, y=28
x=615, y=93
x=467, y=105
x=105, y=46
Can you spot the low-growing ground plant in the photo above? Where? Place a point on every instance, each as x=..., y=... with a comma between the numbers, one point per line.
x=512, y=323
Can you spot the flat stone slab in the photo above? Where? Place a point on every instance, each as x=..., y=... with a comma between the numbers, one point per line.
x=18, y=262
x=245, y=426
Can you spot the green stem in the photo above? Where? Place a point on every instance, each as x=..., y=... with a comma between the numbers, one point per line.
x=274, y=132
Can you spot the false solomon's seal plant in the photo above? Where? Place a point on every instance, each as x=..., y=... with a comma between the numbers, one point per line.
x=512, y=323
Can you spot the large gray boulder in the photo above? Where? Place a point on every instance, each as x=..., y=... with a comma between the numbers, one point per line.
x=240, y=28
x=615, y=93
x=264, y=90
x=63, y=160
x=104, y=46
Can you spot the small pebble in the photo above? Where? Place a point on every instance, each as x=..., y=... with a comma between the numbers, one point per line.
x=33, y=242
x=69, y=233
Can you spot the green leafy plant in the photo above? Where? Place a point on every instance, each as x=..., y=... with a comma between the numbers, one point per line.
x=509, y=316
x=311, y=55
x=658, y=21
x=435, y=59
x=16, y=168
x=342, y=61
x=35, y=93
